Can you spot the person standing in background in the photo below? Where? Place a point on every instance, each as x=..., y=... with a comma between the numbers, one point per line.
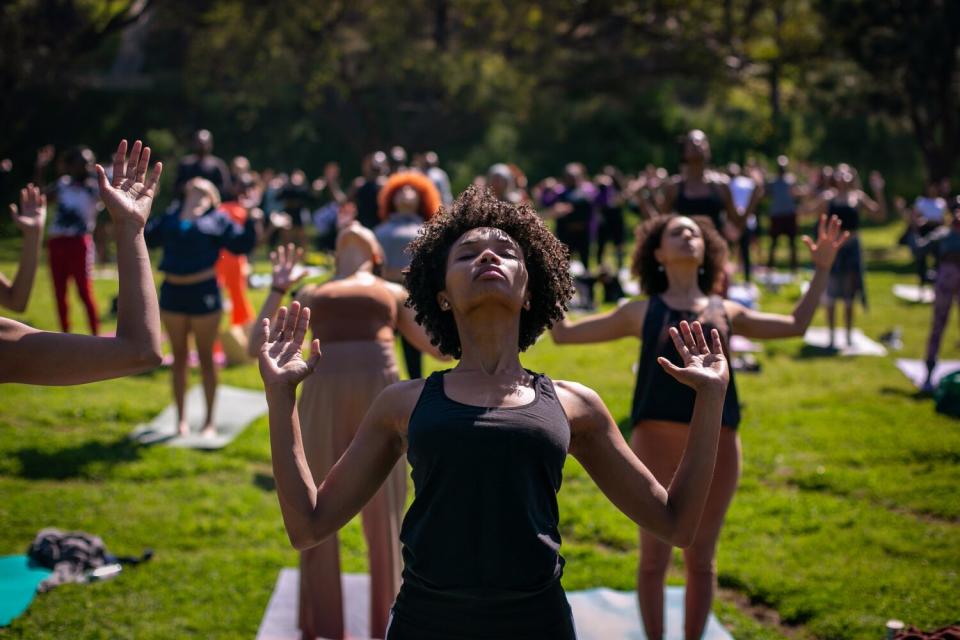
x=784, y=193
x=70, y=244
x=203, y=164
x=405, y=202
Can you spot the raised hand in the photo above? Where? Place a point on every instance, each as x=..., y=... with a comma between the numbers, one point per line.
x=703, y=367
x=128, y=196
x=829, y=241
x=281, y=357
x=286, y=267
x=32, y=214
x=876, y=181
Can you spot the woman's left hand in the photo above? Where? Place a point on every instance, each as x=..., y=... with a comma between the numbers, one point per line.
x=286, y=270
x=829, y=240
x=704, y=367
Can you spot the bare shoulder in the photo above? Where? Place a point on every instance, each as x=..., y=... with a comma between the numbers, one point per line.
x=733, y=309
x=305, y=295
x=396, y=403
x=584, y=408
x=635, y=309
x=398, y=290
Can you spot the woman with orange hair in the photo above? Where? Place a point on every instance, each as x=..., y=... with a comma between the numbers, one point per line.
x=406, y=201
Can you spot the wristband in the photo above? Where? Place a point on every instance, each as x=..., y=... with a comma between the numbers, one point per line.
x=279, y=290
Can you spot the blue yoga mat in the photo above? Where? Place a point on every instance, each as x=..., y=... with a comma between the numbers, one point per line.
x=18, y=584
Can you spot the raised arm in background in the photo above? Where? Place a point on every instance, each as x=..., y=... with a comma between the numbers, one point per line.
x=29, y=218
x=43, y=357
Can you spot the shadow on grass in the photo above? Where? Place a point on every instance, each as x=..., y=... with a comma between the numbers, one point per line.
x=910, y=394
x=264, y=482
x=809, y=351
x=79, y=461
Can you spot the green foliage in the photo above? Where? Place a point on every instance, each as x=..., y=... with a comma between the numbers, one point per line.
x=297, y=84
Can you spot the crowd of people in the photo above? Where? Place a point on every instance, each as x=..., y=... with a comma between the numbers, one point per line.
x=476, y=279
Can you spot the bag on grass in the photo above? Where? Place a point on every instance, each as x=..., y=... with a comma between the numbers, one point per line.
x=946, y=633
x=947, y=395
x=72, y=554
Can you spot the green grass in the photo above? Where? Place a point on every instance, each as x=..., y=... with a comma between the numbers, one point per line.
x=848, y=512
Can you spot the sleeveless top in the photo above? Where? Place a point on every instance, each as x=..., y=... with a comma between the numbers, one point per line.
x=342, y=310
x=849, y=216
x=711, y=205
x=481, y=538
x=657, y=395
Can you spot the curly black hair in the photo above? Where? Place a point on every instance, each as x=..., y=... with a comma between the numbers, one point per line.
x=546, y=259
x=653, y=279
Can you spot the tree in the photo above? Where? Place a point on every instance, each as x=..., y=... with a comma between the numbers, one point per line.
x=909, y=50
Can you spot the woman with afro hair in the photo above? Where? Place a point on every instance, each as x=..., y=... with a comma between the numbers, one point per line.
x=679, y=261
x=486, y=440
x=405, y=202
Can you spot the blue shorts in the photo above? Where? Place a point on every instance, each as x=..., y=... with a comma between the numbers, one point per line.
x=191, y=299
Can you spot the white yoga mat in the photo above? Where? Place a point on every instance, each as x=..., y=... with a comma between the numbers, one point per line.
x=599, y=614
x=745, y=294
x=739, y=344
x=234, y=409
x=770, y=278
x=862, y=345
x=913, y=293
x=916, y=370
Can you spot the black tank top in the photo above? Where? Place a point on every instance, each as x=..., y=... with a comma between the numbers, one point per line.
x=849, y=216
x=658, y=396
x=710, y=205
x=481, y=541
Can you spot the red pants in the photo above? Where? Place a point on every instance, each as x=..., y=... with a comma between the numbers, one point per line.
x=72, y=257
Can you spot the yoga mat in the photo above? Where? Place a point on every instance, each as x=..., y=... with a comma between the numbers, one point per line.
x=745, y=294
x=18, y=585
x=862, y=345
x=599, y=614
x=773, y=278
x=739, y=344
x=913, y=293
x=233, y=411
x=916, y=370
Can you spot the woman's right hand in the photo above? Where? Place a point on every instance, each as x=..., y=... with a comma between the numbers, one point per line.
x=281, y=356
x=286, y=267
x=128, y=195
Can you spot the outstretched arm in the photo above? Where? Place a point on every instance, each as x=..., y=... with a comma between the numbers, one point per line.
x=312, y=513
x=286, y=273
x=755, y=324
x=43, y=357
x=624, y=321
x=671, y=513
x=29, y=219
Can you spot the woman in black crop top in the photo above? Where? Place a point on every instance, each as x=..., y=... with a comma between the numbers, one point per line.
x=699, y=192
x=678, y=261
x=486, y=440
x=846, y=201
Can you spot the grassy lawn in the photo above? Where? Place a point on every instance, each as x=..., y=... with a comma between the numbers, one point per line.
x=848, y=512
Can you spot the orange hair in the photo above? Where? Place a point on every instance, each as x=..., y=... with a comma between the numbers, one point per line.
x=429, y=196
